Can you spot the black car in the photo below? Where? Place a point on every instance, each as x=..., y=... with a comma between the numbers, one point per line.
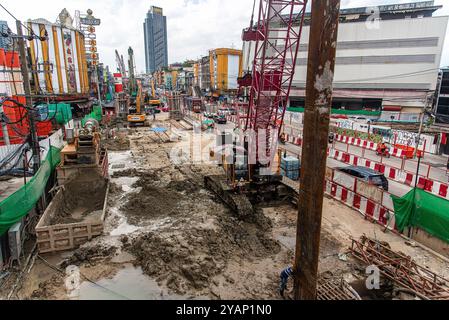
x=220, y=119
x=368, y=175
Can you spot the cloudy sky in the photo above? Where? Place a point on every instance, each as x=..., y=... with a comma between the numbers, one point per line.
x=194, y=26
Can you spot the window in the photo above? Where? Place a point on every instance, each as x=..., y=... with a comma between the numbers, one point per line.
x=376, y=180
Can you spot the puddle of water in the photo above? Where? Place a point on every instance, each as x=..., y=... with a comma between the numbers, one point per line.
x=120, y=158
x=124, y=228
x=128, y=283
x=123, y=257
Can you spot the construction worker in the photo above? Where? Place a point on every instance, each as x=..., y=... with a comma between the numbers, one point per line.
x=285, y=274
x=153, y=112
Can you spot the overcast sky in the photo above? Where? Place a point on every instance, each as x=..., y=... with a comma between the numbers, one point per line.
x=194, y=26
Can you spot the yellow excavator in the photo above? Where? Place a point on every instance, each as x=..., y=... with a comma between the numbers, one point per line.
x=154, y=102
x=137, y=116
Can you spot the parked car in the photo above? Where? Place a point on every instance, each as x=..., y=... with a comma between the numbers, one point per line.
x=163, y=108
x=220, y=119
x=368, y=175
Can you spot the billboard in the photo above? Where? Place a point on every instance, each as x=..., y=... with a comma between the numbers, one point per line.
x=90, y=21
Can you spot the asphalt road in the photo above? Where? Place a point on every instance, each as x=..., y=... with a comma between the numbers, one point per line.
x=431, y=165
x=395, y=188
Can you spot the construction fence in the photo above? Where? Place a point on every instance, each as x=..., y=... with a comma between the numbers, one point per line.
x=17, y=205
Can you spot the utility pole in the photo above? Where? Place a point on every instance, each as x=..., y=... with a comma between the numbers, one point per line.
x=29, y=101
x=421, y=123
x=320, y=74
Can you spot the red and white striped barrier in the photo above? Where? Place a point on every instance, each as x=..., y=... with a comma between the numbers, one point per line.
x=356, y=142
x=395, y=152
x=367, y=207
x=407, y=178
x=398, y=153
x=293, y=140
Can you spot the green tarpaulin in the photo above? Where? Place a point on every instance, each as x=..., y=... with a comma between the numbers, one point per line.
x=17, y=205
x=63, y=112
x=424, y=210
x=95, y=114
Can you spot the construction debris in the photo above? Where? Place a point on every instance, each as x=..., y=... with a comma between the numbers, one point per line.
x=401, y=269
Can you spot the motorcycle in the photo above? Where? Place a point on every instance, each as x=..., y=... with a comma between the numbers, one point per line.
x=383, y=152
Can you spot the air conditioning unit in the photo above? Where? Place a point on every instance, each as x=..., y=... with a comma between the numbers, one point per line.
x=15, y=240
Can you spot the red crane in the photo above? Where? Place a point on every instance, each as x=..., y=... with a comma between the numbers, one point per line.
x=277, y=34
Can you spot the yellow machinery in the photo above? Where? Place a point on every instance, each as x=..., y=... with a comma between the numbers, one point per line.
x=137, y=117
x=153, y=101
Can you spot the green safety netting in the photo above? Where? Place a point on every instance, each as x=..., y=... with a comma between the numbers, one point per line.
x=95, y=114
x=17, y=205
x=63, y=112
x=424, y=210
x=344, y=112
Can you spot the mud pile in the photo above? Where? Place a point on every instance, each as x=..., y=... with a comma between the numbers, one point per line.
x=118, y=144
x=157, y=198
x=188, y=261
x=81, y=196
x=90, y=255
x=151, y=202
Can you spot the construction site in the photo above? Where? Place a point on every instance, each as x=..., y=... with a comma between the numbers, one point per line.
x=208, y=179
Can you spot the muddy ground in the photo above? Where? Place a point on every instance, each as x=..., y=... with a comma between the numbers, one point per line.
x=162, y=219
x=83, y=198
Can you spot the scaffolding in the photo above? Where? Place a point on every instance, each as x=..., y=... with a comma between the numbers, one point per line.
x=175, y=105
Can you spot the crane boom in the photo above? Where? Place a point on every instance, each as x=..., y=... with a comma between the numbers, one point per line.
x=277, y=35
x=120, y=65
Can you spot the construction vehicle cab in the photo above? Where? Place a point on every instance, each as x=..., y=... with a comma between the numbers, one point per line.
x=136, y=116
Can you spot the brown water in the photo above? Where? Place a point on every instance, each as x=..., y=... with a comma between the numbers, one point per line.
x=128, y=284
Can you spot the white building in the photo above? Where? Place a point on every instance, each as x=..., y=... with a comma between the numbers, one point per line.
x=388, y=58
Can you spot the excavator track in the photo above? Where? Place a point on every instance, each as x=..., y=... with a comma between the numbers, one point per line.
x=239, y=203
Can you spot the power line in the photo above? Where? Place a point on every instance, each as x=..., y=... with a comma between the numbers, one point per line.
x=31, y=31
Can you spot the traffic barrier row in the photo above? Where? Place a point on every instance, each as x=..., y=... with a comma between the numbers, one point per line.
x=346, y=189
x=293, y=139
x=356, y=142
x=365, y=144
x=407, y=178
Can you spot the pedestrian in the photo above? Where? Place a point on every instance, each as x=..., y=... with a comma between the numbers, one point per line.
x=285, y=274
x=153, y=111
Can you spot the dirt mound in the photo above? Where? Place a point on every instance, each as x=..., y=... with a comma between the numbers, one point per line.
x=46, y=289
x=189, y=261
x=186, y=186
x=80, y=197
x=119, y=144
x=90, y=255
x=151, y=202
